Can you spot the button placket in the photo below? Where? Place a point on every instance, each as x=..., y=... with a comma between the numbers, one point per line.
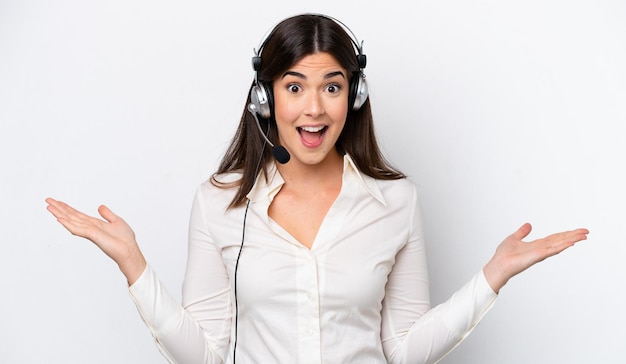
x=308, y=308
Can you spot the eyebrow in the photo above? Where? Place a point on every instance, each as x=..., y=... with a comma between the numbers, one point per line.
x=300, y=75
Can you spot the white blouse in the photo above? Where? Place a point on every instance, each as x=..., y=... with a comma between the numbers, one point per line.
x=359, y=295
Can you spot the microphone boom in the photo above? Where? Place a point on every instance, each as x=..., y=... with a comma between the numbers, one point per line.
x=280, y=153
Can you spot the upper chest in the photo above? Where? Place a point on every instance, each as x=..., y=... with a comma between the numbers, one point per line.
x=301, y=213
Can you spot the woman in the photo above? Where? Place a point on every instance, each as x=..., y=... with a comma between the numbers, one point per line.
x=319, y=257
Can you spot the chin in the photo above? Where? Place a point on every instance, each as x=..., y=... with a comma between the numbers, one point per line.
x=318, y=158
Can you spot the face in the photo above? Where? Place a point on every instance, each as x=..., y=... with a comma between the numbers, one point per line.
x=311, y=105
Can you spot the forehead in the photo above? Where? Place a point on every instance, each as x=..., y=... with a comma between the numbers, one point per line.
x=319, y=62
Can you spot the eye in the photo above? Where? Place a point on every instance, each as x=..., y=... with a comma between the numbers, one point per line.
x=333, y=88
x=294, y=88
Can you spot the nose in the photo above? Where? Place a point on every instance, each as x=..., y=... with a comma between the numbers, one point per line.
x=314, y=105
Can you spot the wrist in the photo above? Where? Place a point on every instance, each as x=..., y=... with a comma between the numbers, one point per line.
x=494, y=276
x=133, y=267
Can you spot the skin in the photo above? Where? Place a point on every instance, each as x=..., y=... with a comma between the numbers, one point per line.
x=312, y=93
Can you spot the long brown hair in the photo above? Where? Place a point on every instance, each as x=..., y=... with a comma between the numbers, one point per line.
x=291, y=40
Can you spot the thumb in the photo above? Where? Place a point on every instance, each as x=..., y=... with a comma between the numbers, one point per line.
x=523, y=231
x=107, y=214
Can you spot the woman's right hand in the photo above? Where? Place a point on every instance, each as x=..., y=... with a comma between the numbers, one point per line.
x=112, y=235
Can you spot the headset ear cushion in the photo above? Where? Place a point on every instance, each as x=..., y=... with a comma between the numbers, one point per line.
x=358, y=91
x=262, y=100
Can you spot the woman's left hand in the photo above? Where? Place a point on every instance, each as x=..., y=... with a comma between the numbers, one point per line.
x=513, y=255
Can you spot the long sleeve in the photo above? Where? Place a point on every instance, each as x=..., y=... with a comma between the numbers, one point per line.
x=412, y=331
x=365, y=279
x=197, y=331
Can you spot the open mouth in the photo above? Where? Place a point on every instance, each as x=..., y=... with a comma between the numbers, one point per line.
x=312, y=135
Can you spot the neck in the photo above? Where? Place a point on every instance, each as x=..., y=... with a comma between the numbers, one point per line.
x=329, y=171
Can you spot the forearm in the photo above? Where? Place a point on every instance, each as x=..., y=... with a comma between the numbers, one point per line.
x=178, y=335
x=445, y=326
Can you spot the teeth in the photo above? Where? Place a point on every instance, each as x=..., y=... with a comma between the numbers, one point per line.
x=312, y=129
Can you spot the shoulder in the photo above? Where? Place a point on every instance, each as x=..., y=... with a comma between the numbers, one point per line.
x=219, y=190
x=403, y=184
x=226, y=179
x=399, y=196
x=398, y=190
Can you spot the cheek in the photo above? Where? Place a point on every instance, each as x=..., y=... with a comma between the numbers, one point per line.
x=338, y=110
x=285, y=109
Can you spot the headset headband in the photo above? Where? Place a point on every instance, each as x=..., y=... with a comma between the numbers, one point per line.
x=358, y=45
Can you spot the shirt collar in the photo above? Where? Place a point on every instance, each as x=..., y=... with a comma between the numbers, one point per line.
x=266, y=189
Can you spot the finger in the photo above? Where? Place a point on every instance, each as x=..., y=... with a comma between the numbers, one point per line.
x=523, y=231
x=73, y=220
x=64, y=212
x=56, y=203
x=582, y=233
x=107, y=214
x=60, y=207
x=56, y=208
x=53, y=205
x=572, y=236
x=556, y=243
x=577, y=235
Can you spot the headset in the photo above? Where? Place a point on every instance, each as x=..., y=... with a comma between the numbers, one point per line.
x=261, y=97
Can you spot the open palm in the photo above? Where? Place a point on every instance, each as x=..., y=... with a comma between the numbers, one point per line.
x=514, y=255
x=112, y=235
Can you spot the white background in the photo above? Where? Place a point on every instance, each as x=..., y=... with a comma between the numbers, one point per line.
x=501, y=113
